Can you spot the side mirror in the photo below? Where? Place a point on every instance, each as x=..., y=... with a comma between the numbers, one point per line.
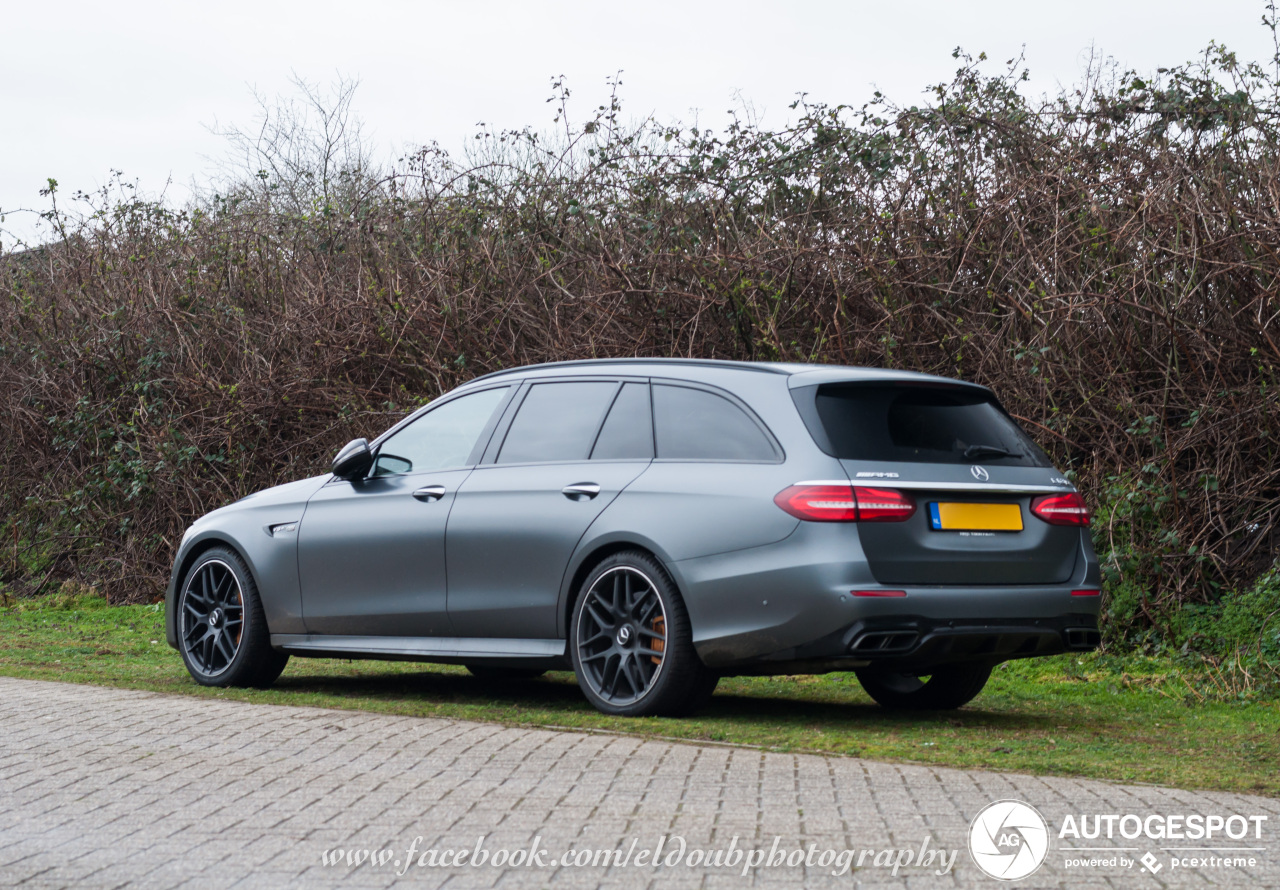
x=354, y=458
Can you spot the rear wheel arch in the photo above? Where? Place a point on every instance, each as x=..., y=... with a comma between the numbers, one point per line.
x=610, y=642
x=589, y=563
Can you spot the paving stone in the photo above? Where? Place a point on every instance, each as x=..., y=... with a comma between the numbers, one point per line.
x=101, y=788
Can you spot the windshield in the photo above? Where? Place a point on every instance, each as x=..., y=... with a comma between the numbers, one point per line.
x=925, y=424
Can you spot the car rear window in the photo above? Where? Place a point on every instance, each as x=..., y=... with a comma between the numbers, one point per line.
x=923, y=424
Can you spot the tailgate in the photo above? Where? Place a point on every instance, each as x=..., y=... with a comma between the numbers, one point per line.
x=964, y=538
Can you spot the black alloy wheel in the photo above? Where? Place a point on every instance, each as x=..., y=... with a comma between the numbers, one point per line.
x=631, y=641
x=622, y=636
x=212, y=617
x=222, y=632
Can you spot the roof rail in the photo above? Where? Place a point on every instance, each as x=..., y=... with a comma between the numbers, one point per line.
x=760, y=367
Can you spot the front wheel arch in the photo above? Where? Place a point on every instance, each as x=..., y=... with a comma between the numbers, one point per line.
x=252, y=661
x=199, y=549
x=183, y=569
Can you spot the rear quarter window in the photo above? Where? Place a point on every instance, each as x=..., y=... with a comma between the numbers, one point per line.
x=912, y=423
x=693, y=424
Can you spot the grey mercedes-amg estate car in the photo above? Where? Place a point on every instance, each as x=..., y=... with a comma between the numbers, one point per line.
x=655, y=524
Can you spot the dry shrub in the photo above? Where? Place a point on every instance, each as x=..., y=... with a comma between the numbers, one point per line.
x=1107, y=261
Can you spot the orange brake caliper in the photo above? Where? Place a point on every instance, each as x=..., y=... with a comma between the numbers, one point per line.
x=659, y=626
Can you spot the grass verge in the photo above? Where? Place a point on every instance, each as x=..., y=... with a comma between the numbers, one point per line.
x=1132, y=719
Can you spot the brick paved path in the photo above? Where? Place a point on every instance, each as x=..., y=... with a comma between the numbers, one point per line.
x=104, y=787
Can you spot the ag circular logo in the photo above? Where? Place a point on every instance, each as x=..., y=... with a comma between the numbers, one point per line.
x=979, y=473
x=1008, y=840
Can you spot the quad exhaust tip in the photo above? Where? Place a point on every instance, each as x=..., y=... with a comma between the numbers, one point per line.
x=884, y=642
x=1083, y=638
x=895, y=641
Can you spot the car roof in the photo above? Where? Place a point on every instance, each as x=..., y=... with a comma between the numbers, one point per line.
x=799, y=374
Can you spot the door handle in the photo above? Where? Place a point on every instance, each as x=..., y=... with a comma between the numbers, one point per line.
x=580, y=491
x=429, y=493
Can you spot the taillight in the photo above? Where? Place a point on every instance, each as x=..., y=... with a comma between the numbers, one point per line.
x=845, y=503
x=883, y=505
x=819, y=503
x=1061, y=509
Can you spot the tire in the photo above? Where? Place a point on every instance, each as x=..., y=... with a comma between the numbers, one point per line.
x=702, y=689
x=489, y=672
x=631, y=642
x=948, y=688
x=222, y=632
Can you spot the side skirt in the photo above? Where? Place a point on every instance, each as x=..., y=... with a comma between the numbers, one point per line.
x=442, y=650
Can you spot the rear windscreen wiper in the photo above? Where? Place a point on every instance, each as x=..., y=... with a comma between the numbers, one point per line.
x=986, y=451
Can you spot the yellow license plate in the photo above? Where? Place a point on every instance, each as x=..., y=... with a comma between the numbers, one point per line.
x=976, y=517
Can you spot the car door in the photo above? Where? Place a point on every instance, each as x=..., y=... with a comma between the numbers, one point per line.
x=570, y=448
x=371, y=554
x=710, y=489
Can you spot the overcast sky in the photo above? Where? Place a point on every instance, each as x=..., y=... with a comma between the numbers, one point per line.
x=91, y=87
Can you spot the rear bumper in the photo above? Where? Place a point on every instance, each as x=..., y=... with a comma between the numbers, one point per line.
x=790, y=608
x=915, y=642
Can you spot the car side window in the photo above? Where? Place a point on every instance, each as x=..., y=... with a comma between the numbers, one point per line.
x=627, y=433
x=443, y=437
x=557, y=422
x=693, y=424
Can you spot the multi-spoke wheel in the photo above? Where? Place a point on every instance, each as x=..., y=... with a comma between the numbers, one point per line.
x=222, y=633
x=212, y=617
x=947, y=688
x=621, y=636
x=631, y=643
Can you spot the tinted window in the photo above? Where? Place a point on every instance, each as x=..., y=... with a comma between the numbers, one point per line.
x=693, y=424
x=627, y=433
x=443, y=437
x=925, y=424
x=557, y=421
